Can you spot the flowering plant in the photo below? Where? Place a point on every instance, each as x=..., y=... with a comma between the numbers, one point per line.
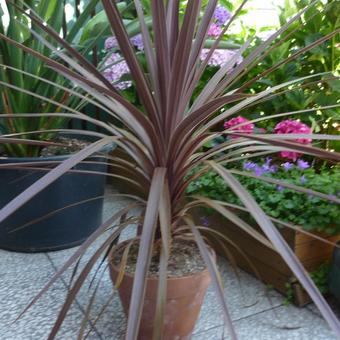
x=303, y=209
x=162, y=139
x=293, y=126
x=232, y=124
x=284, y=127
x=115, y=67
x=220, y=57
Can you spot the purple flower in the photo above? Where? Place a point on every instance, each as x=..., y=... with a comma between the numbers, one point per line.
x=115, y=69
x=303, y=179
x=222, y=15
x=268, y=160
x=249, y=166
x=302, y=165
x=273, y=169
x=258, y=170
x=280, y=188
x=110, y=43
x=266, y=167
x=137, y=41
x=287, y=166
x=205, y=221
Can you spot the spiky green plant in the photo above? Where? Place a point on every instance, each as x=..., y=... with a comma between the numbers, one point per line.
x=164, y=141
x=24, y=74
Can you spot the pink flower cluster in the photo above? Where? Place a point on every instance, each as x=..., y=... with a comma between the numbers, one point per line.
x=284, y=127
x=245, y=128
x=293, y=126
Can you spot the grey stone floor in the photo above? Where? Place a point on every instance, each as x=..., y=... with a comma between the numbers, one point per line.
x=257, y=314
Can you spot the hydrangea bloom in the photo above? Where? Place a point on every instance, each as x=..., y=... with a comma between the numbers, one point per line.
x=110, y=43
x=246, y=128
x=214, y=30
x=137, y=41
x=220, y=57
x=115, y=69
x=293, y=126
x=222, y=15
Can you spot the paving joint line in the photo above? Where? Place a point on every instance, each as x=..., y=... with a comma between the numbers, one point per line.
x=239, y=319
x=93, y=327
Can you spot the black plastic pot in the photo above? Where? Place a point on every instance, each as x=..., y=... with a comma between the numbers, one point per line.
x=334, y=276
x=59, y=230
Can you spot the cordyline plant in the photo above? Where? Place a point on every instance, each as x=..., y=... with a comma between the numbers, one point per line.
x=164, y=140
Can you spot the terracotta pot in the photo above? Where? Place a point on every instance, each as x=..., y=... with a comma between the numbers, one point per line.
x=185, y=296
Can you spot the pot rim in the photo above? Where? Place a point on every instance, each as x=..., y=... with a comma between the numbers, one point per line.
x=105, y=149
x=155, y=278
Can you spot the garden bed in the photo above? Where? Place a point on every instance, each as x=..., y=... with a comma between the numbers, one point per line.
x=271, y=268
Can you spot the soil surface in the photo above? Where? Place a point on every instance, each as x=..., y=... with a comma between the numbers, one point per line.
x=72, y=145
x=185, y=259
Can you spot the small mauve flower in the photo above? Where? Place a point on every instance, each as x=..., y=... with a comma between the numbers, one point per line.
x=302, y=165
x=137, y=41
x=110, y=43
x=268, y=160
x=293, y=126
x=249, y=166
x=222, y=15
x=214, y=30
x=280, y=188
x=287, y=166
x=220, y=57
x=267, y=167
x=246, y=128
x=273, y=169
x=205, y=221
x=258, y=171
x=303, y=179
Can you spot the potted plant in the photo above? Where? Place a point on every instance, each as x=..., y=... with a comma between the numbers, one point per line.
x=51, y=220
x=164, y=137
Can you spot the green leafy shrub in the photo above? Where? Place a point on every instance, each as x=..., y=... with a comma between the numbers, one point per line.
x=319, y=20
x=311, y=212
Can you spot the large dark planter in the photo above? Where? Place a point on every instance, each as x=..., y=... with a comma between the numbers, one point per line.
x=334, y=276
x=64, y=229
